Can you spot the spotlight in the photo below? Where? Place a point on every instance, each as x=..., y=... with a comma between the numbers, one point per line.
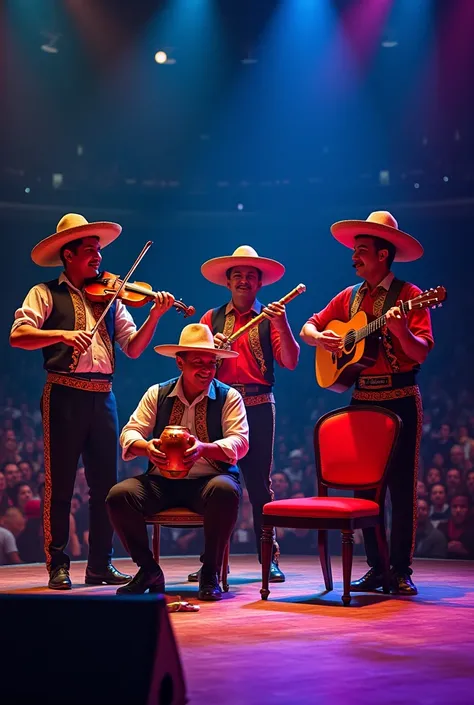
x=161, y=57
x=389, y=40
x=416, y=185
x=27, y=189
x=445, y=179
x=240, y=206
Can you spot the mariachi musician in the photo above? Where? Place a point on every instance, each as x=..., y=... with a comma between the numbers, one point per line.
x=252, y=373
x=78, y=405
x=391, y=380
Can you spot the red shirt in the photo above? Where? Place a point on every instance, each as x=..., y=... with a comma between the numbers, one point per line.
x=419, y=323
x=244, y=369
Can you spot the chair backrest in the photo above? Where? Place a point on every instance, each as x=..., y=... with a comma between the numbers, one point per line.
x=354, y=446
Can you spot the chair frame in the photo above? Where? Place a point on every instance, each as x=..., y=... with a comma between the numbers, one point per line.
x=346, y=526
x=183, y=521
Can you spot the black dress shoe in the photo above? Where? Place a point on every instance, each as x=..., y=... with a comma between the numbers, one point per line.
x=59, y=579
x=209, y=588
x=276, y=575
x=402, y=584
x=151, y=580
x=109, y=576
x=368, y=583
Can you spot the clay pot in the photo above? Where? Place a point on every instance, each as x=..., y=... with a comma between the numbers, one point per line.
x=175, y=440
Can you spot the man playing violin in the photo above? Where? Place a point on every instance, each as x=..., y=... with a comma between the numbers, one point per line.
x=391, y=381
x=244, y=273
x=78, y=405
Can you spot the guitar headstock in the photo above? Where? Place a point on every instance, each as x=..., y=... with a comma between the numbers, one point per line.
x=431, y=298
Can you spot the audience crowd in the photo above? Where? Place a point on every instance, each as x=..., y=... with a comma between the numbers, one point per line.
x=445, y=487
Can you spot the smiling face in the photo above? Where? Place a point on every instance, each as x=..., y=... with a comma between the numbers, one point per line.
x=244, y=284
x=198, y=370
x=371, y=261
x=82, y=258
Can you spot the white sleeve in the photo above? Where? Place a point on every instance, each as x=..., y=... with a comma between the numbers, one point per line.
x=235, y=428
x=124, y=326
x=141, y=423
x=36, y=308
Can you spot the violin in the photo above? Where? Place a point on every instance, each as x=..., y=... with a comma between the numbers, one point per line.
x=106, y=286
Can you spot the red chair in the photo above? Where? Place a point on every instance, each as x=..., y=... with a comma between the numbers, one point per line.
x=353, y=450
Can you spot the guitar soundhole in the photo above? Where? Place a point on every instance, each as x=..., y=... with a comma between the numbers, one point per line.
x=349, y=341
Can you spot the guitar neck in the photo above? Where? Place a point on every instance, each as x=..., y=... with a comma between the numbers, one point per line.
x=378, y=323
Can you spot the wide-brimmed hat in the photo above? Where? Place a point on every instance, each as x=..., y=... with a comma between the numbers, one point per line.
x=197, y=338
x=215, y=270
x=379, y=224
x=71, y=227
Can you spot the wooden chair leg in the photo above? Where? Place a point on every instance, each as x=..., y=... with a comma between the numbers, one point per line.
x=382, y=545
x=225, y=568
x=325, y=558
x=347, y=551
x=267, y=550
x=156, y=542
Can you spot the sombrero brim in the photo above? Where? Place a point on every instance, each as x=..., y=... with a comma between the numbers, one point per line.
x=408, y=249
x=214, y=270
x=171, y=350
x=46, y=252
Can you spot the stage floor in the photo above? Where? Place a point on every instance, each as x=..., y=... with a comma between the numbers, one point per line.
x=303, y=646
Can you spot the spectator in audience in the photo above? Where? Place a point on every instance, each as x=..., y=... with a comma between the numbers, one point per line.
x=26, y=471
x=14, y=521
x=437, y=461
x=23, y=495
x=12, y=478
x=470, y=485
x=466, y=442
x=295, y=470
x=459, y=530
x=453, y=481
x=434, y=476
x=439, y=511
x=5, y=500
x=8, y=547
x=458, y=460
x=429, y=542
x=421, y=491
x=442, y=441
x=31, y=541
x=280, y=485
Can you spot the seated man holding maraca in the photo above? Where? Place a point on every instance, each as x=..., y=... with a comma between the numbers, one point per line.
x=197, y=471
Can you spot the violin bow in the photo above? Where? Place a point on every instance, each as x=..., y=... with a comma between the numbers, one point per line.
x=124, y=281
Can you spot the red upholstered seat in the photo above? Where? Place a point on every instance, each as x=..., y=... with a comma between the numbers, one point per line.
x=322, y=508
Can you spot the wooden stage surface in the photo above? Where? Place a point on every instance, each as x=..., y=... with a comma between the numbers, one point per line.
x=303, y=646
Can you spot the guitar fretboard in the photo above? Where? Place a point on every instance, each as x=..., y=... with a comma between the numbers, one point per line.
x=355, y=336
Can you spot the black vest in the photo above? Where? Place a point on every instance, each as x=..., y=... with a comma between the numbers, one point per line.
x=218, y=322
x=69, y=314
x=213, y=419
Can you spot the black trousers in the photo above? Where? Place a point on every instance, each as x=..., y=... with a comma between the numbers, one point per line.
x=402, y=479
x=78, y=422
x=257, y=464
x=216, y=497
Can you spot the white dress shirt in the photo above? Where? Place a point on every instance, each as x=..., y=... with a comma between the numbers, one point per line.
x=38, y=305
x=235, y=429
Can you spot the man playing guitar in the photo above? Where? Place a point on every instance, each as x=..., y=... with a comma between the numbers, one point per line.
x=391, y=381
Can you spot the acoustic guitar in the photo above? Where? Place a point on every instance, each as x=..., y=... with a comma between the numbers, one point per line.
x=339, y=371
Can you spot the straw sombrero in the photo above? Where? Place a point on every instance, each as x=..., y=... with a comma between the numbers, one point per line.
x=195, y=337
x=215, y=270
x=71, y=227
x=379, y=224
